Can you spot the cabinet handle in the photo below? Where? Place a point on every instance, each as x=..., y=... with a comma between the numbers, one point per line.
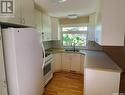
x=23, y=21
x=3, y=83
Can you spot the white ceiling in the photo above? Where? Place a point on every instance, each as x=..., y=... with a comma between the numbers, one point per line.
x=79, y=7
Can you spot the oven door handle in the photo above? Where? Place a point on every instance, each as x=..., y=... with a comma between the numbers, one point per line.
x=43, y=49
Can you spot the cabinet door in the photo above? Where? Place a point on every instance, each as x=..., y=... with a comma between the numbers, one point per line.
x=3, y=85
x=57, y=62
x=99, y=82
x=27, y=12
x=55, y=28
x=46, y=26
x=82, y=64
x=66, y=61
x=38, y=20
x=75, y=62
x=16, y=18
x=110, y=22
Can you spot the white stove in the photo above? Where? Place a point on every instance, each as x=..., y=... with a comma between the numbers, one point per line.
x=47, y=70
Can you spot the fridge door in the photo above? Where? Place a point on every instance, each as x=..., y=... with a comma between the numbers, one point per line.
x=3, y=84
x=24, y=61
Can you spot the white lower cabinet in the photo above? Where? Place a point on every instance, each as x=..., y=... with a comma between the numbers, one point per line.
x=75, y=62
x=82, y=58
x=99, y=82
x=68, y=62
x=57, y=62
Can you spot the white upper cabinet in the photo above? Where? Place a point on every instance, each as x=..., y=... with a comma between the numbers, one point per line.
x=46, y=27
x=110, y=23
x=38, y=20
x=55, y=28
x=16, y=18
x=38, y=3
x=24, y=13
x=43, y=24
x=27, y=12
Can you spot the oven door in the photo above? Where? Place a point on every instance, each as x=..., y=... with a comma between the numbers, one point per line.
x=47, y=71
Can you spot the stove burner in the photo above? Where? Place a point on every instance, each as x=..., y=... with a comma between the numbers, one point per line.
x=47, y=54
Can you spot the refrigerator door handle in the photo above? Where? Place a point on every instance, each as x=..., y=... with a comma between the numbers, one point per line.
x=43, y=54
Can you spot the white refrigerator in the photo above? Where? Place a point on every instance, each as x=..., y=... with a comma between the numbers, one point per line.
x=23, y=54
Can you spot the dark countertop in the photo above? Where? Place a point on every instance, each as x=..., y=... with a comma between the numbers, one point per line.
x=94, y=60
x=100, y=61
x=63, y=51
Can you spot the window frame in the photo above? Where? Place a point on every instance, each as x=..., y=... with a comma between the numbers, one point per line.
x=74, y=32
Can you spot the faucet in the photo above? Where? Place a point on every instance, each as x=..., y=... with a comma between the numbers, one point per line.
x=74, y=46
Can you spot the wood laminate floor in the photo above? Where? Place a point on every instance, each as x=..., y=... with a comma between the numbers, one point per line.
x=65, y=83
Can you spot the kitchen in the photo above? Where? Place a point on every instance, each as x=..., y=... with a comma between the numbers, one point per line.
x=83, y=38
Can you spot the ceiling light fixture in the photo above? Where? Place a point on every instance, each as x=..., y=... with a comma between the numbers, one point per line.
x=58, y=1
x=72, y=16
x=61, y=1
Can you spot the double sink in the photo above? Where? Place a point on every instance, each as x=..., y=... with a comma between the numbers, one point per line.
x=72, y=50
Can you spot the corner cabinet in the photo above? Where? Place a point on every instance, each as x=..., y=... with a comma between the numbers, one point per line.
x=101, y=82
x=55, y=28
x=24, y=13
x=57, y=62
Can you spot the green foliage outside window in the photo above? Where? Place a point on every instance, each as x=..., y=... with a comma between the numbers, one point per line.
x=77, y=39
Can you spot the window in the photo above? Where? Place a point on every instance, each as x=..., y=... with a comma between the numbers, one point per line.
x=74, y=36
x=64, y=29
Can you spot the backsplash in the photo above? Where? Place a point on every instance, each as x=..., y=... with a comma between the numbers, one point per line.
x=92, y=45
x=56, y=44
x=47, y=44
x=52, y=44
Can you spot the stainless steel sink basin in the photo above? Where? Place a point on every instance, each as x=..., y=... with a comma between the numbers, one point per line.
x=71, y=50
